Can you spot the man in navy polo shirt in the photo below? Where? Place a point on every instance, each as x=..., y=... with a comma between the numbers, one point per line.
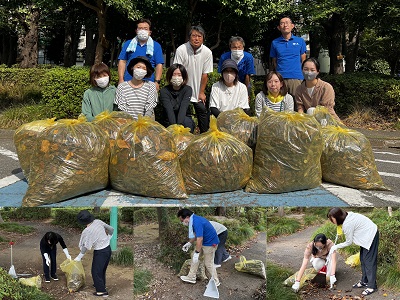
x=288, y=53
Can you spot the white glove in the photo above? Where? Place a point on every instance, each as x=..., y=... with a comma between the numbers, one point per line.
x=296, y=286
x=195, y=257
x=333, y=249
x=79, y=257
x=47, y=258
x=109, y=236
x=186, y=247
x=67, y=253
x=332, y=280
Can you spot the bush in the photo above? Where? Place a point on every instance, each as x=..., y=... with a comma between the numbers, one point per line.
x=141, y=281
x=127, y=214
x=29, y=213
x=16, y=228
x=144, y=215
x=67, y=217
x=15, y=116
x=123, y=257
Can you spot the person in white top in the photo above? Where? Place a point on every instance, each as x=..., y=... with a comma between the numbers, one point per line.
x=198, y=61
x=96, y=235
x=221, y=255
x=360, y=230
x=228, y=93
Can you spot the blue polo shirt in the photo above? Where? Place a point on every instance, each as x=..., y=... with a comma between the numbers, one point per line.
x=245, y=66
x=155, y=59
x=203, y=228
x=288, y=56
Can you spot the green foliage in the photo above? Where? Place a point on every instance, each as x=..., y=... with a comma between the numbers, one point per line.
x=29, y=213
x=238, y=235
x=275, y=276
x=141, y=281
x=11, y=289
x=123, y=257
x=67, y=217
x=127, y=214
x=16, y=228
x=15, y=116
x=144, y=215
x=2, y=240
x=281, y=226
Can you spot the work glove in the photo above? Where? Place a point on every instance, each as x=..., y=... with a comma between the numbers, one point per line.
x=79, y=257
x=195, y=258
x=186, y=247
x=333, y=249
x=296, y=286
x=67, y=253
x=47, y=258
x=332, y=280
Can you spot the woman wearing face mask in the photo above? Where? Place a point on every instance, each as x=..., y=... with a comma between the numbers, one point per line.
x=228, y=93
x=100, y=96
x=137, y=96
x=175, y=98
x=314, y=91
x=274, y=94
x=317, y=253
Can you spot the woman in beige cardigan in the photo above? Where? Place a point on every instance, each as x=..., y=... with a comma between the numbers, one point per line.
x=314, y=91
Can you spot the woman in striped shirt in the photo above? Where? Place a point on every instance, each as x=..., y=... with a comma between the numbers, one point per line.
x=137, y=96
x=274, y=95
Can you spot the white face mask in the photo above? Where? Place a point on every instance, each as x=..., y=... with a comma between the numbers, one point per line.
x=102, y=82
x=176, y=80
x=236, y=54
x=228, y=77
x=143, y=35
x=139, y=74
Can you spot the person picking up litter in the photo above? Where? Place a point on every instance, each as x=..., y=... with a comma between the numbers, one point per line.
x=48, y=250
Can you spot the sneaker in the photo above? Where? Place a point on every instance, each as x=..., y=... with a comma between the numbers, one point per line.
x=226, y=259
x=54, y=277
x=46, y=279
x=217, y=266
x=188, y=279
x=101, y=294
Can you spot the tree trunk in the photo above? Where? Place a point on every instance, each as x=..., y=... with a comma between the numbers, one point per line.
x=220, y=211
x=102, y=42
x=28, y=40
x=71, y=41
x=315, y=45
x=91, y=39
x=163, y=220
x=351, y=49
x=334, y=28
x=218, y=37
x=281, y=211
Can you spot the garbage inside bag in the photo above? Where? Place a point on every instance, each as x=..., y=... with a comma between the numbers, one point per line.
x=32, y=281
x=201, y=271
x=74, y=273
x=252, y=266
x=347, y=159
x=182, y=137
x=324, y=118
x=216, y=161
x=353, y=260
x=308, y=275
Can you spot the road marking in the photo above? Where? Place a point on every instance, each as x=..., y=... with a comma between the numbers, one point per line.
x=350, y=196
x=386, y=197
x=388, y=161
x=388, y=153
x=6, y=181
x=8, y=153
x=389, y=174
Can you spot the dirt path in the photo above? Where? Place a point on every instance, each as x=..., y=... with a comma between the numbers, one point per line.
x=167, y=285
x=27, y=259
x=288, y=251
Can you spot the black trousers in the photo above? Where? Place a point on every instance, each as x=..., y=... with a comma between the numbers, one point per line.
x=369, y=263
x=53, y=263
x=101, y=258
x=221, y=254
x=203, y=116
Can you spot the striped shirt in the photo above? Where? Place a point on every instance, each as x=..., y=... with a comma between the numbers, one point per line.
x=95, y=235
x=287, y=104
x=137, y=101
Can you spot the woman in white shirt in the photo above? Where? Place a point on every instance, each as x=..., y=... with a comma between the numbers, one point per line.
x=228, y=93
x=360, y=230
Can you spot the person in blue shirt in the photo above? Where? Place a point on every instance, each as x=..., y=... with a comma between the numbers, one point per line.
x=141, y=45
x=243, y=59
x=201, y=231
x=287, y=54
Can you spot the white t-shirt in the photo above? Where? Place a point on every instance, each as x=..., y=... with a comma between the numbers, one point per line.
x=219, y=228
x=227, y=98
x=196, y=65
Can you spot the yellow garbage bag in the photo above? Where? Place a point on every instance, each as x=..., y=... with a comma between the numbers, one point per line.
x=323, y=116
x=353, y=260
x=35, y=281
x=182, y=137
x=308, y=275
x=252, y=266
x=75, y=274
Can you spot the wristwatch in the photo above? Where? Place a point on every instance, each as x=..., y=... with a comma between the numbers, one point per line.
x=157, y=80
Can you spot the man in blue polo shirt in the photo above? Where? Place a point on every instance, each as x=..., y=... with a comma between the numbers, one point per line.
x=201, y=231
x=141, y=45
x=288, y=53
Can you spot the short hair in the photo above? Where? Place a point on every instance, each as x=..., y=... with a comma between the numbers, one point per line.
x=96, y=70
x=171, y=71
x=184, y=213
x=52, y=238
x=143, y=20
x=199, y=29
x=337, y=213
x=313, y=60
x=285, y=17
x=236, y=39
x=283, y=91
x=320, y=237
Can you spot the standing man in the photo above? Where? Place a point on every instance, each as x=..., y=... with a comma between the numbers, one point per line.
x=243, y=59
x=288, y=53
x=201, y=230
x=141, y=45
x=198, y=61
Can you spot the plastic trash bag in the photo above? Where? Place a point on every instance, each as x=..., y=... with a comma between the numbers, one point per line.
x=74, y=273
x=216, y=161
x=252, y=266
x=347, y=159
x=182, y=137
x=353, y=260
x=32, y=281
x=237, y=123
x=201, y=271
x=70, y=159
x=308, y=275
x=324, y=118
x=144, y=161
x=288, y=153
x=25, y=139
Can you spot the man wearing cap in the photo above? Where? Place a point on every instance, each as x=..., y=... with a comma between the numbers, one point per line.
x=137, y=96
x=201, y=231
x=96, y=235
x=228, y=93
x=198, y=61
x=141, y=45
